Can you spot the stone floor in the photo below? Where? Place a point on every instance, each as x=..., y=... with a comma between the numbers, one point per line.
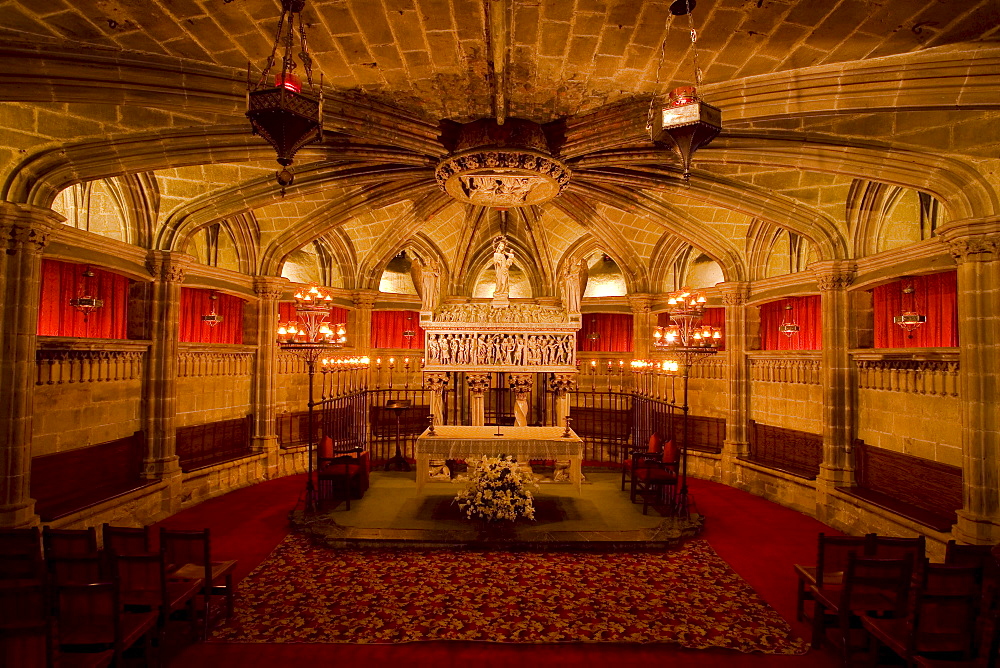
x=393, y=513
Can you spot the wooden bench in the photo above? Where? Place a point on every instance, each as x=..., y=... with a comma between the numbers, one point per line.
x=921, y=490
x=798, y=453
x=66, y=482
x=203, y=445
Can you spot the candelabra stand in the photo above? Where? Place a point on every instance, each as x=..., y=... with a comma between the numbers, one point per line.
x=398, y=461
x=310, y=353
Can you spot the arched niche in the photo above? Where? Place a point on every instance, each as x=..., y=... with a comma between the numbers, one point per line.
x=517, y=279
x=397, y=277
x=604, y=277
x=92, y=206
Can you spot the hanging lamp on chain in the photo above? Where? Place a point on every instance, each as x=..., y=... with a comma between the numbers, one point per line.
x=282, y=113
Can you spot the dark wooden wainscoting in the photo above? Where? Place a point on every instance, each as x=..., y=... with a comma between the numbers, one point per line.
x=66, y=482
x=202, y=445
x=921, y=490
x=797, y=452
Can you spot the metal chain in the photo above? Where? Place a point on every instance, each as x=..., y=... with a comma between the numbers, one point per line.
x=694, y=45
x=304, y=54
x=274, y=50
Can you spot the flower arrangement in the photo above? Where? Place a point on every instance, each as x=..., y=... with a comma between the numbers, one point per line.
x=497, y=491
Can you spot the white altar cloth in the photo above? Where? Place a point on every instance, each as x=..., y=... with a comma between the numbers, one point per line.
x=522, y=443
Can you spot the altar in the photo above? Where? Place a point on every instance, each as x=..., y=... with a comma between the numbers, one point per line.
x=522, y=443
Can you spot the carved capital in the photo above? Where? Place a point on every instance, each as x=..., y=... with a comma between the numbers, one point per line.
x=436, y=381
x=561, y=383
x=167, y=267
x=269, y=288
x=26, y=229
x=734, y=294
x=979, y=248
x=478, y=382
x=640, y=302
x=364, y=299
x=520, y=383
x=840, y=280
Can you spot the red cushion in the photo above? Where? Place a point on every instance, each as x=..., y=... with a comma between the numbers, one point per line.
x=341, y=468
x=671, y=453
x=326, y=448
x=655, y=443
x=654, y=474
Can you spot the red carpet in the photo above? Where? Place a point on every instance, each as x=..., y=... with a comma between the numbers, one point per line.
x=758, y=539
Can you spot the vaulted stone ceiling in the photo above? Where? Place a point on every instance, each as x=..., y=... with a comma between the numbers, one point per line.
x=816, y=97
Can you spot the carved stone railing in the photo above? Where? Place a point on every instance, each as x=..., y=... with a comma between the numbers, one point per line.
x=61, y=361
x=289, y=363
x=196, y=362
x=789, y=367
x=713, y=368
x=934, y=374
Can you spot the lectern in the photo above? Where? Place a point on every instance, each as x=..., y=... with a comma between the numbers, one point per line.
x=398, y=461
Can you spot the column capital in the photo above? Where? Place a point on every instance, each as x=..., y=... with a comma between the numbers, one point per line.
x=25, y=228
x=833, y=274
x=972, y=240
x=436, y=381
x=561, y=383
x=734, y=293
x=640, y=302
x=168, y=266
x=269, y=287
x=364, y=298
x=520, y=383
x=478, y=382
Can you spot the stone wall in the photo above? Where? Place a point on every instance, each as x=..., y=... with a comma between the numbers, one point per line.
x=213, y=384
x=785, y=391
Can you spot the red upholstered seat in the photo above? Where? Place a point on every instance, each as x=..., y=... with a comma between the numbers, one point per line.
x=654, y=475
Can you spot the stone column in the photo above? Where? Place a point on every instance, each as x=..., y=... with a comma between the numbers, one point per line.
x=265, y=427
x=975, y=246
x=437, y=383
x=642, y=324
x=839, y=383
x=361, y=335
x=520, y=385
x=24, y=233
x=737, y=443
x=479, y=384
x=168, y=270
x=561, y=384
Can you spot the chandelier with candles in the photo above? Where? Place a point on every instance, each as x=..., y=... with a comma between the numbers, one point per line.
x=86, y=302
x=312, y=328
x=686, y=336
x=909, y=319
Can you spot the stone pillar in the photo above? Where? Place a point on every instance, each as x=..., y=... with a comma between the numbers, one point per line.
x=24, y=233
x=361, y=335
x=737, y=443
x=168, y=270
x=975, y=246
x=265, y=427
x=479, y=384
x=839, y=382
x=520, y=385
x=437, y=383
x=642, y=324
x=561, y=384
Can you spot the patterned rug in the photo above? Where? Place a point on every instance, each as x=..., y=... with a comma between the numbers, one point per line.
x=689, y=596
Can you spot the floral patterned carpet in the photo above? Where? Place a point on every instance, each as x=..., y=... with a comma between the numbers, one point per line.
x=689, y=596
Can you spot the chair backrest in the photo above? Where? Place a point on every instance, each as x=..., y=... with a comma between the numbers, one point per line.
x=76, y=570
x=128, y=540
x=21, y=542
x=833, y=552
x=889, y=577
x=141, y=579
x=27, y=646
x=893, y=547
x=186, y=547
x=59, y=543
x=956, y=554
x=945, y=609
x=23, y=603
x=88, y=613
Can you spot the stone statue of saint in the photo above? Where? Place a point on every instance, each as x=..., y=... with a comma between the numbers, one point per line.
x=503, y=257
x=431, y=284
x=572, y=285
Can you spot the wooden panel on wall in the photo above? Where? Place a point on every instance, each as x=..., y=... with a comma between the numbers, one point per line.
x=203, y=445
x=65, y=482
x=797, y=452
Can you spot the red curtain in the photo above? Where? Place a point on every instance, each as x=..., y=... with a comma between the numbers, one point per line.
x=286, y=313
x=805, y=312
x=714, y=317
x=196, y=303
x=62, y=281
x=935, y=296
x=614, y=332
x=388, y=328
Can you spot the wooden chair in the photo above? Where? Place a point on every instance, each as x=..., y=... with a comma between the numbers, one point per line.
x=77, y=570
x=831, y=561
x=943, y=619
x=874, y=586
x=987, y=651
x=92, y=618
x=654, y=477
x=21, y=555
x=654, y=446
x=143, y=586
x=128, y=541
x=188, y=557
x=341, y=475
x=59, y=543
